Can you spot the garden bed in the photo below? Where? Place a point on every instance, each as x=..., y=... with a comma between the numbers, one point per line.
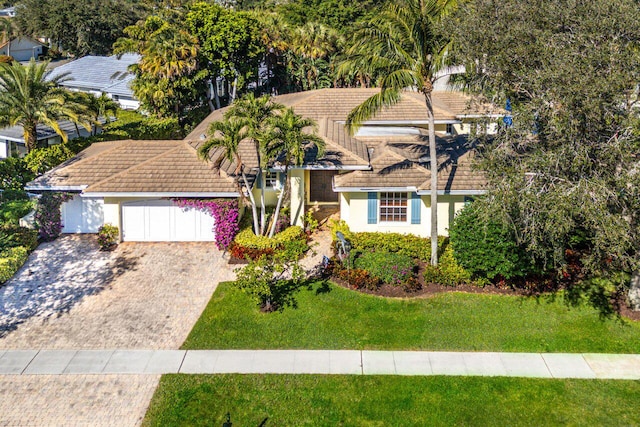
x=425, y=288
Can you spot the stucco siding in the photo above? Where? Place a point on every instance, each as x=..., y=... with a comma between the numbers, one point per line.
x=355, y=205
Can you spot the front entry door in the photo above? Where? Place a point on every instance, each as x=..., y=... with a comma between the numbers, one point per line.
x=320, y=189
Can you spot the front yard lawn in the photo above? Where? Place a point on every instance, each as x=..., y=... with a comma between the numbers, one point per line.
x=331, y=317
x=320, y=400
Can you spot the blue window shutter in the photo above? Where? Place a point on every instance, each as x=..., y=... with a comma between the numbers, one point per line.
x=259, y=178
x=282, y=177
x=415, y=208
x=372, y=208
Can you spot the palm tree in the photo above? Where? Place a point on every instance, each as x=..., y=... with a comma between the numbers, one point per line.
x=256, y=112
x=101, y=106
x=28, y=98
x=227, y=136
x=8, y=31
x=402, y=47
x=287, y=142
x=168, y=54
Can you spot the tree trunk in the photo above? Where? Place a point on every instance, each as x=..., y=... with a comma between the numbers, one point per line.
x=433, y=155
x=263, y=208
x=252, y=200
x=215, y=93
x=274, y=223
x=30, y=136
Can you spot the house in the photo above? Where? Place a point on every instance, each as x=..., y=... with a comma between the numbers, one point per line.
x=8, y=12
x=379, y=177
x=12, y=141
x=23, y=48
x=101, y=74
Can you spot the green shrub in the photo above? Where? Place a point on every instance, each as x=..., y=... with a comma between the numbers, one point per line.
x=11, y=259
x=392, y=268
x=310, y=222
x=40, y=160
x=448, y=272
x=340, y=226
x=10, y=195
x=14, y=174
x=404, y=244
x=485, y=248
x=358, y=278
x=291, y=241
x=12, y=211
x=108, y=236
x=12, y=236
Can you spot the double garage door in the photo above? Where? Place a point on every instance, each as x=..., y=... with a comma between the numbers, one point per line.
x=162, y=221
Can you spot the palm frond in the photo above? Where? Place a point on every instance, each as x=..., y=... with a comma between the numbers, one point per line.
x=373, y=104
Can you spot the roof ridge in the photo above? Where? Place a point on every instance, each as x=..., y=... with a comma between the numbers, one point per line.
x=122, y=172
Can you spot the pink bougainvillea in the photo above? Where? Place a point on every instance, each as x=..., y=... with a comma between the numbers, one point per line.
x=48, y=216
x=225, y=214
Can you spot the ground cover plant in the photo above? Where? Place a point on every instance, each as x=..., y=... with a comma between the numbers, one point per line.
x=329, y=400
x=331, y=317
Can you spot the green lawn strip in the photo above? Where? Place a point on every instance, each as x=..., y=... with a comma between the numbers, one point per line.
x=319, y=400
x=338, y=318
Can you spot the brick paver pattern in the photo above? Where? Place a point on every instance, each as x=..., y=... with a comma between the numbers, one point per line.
x=144, y=296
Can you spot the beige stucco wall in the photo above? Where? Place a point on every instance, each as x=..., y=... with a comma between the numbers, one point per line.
x=270, y=196
x=353, y=210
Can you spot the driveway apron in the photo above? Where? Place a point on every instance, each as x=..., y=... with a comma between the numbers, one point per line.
x=69, y=294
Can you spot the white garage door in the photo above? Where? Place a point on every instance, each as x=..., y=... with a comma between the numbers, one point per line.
x=162, y=221
x=82, y=215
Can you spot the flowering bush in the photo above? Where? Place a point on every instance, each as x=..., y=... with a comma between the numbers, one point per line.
x=47, y=216
x=108, y=237
x=225, y=212
x=392, y=268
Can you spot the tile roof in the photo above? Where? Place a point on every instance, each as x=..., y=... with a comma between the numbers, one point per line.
x=404, y=164
x=173, y=166
x=99, y=73
x=138, y=167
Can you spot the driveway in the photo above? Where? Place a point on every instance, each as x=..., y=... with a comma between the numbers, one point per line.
x=71, y=295
x=142, y=295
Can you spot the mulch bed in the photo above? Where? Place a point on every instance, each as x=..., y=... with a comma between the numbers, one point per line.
x=428, y=289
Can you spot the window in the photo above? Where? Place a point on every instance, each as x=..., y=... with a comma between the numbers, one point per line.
x=271, y=179
x=449, y=129
x=393, y=207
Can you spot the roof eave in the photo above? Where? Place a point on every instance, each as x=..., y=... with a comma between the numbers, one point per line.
x=186, y=194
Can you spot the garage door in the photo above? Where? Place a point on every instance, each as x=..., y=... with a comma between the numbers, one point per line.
x=82, y=215
x=161, y=221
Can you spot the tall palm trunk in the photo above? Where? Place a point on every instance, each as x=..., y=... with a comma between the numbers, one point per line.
x=433, y=155
x=263, y=208
x=274, y=222
x=30, y=136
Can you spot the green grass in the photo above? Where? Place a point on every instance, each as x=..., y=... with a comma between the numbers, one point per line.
x=337, y=318
x=316, y=400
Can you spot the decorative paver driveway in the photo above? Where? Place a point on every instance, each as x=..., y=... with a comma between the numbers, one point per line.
x=142, y=295
x=70, y=295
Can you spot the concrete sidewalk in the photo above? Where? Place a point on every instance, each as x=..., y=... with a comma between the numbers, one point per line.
x=351, y=362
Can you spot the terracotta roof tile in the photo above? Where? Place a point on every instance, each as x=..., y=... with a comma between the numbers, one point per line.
x=398, y=165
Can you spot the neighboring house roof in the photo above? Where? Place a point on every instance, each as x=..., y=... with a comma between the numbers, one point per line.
x=21, y=41
x=100, y=73
x=16, y=133
x=139, y=167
